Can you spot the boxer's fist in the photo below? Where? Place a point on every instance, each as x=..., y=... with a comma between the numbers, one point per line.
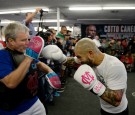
x=53, y=52
x=87, y=78
x=34, y=47
x=77, y=60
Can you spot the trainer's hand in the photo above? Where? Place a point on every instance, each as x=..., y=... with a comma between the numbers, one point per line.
x=35, y=47
x=87, y=78
x=53, y=52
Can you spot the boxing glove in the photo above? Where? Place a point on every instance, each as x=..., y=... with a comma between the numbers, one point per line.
x=87, y=78
x=53, y=52
x=53, y=80
x=34, y=47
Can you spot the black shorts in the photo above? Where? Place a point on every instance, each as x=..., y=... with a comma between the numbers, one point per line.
x=125, y=112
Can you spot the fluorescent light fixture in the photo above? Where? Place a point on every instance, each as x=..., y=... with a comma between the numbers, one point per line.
x=9, y=12
x=21, y=11
x=97, y=19
x=118, y=8
x=6, y=21
x=48, y=20
x=32, y=10
x=27, y=10
x=85, y=8
x=102, y=8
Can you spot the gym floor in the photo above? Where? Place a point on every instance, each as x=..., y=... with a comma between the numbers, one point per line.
x=75, y=100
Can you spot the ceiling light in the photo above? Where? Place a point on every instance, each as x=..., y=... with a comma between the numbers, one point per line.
x=97, y=19
x=6, y=21
x=102, y=8
x=32, y=10
x=21, y=11
x=47, y=20
x=85, y=8
x=118, y=8
x=9, y=12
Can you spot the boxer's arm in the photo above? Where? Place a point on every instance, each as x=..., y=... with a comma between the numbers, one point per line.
x=71, y=61
x=112, y=96
x=87, y=78
x=53, y=52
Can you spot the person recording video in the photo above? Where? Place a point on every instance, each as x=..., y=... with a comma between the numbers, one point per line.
x=28, y=21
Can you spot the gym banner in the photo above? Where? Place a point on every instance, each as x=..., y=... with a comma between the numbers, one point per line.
x=112, y=31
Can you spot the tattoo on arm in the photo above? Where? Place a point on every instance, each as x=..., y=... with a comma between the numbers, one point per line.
x=112, y=96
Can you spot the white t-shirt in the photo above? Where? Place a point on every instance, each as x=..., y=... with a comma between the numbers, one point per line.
x=97, y=42
x=113, y=74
